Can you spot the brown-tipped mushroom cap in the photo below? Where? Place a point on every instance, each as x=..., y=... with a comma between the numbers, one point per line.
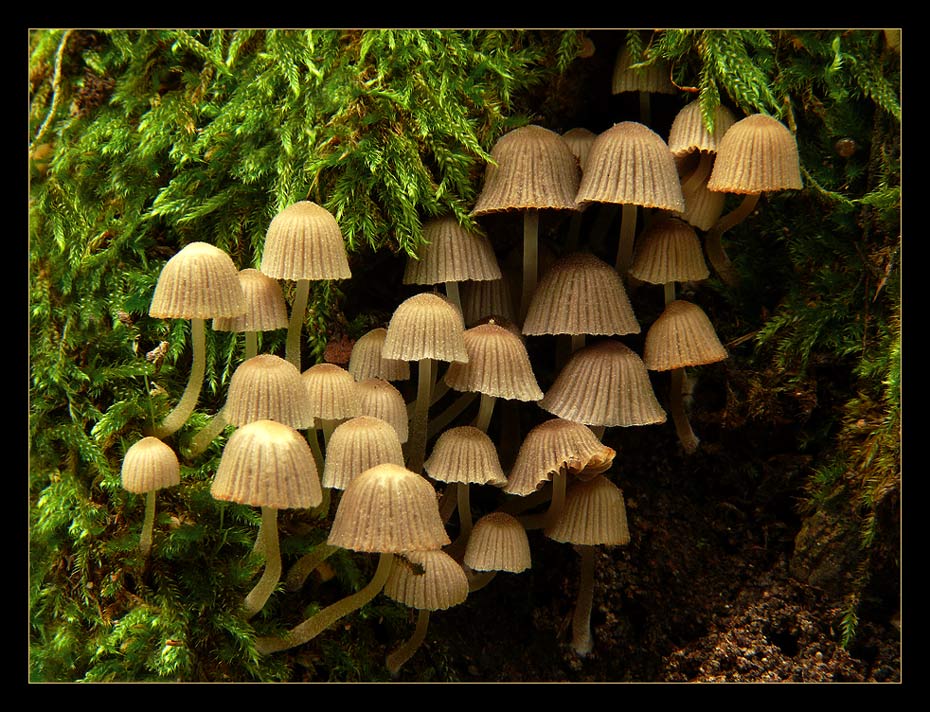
x=653, y=79
x=266, y=387
x=440, y=582
x=756, y=155
x=465, y=454
x=689, y=132
x=388, y=509
x=357, y=445
x=304, y=241
x=199, y=282
x=332, y=390
x=580, y=294
x=669, y=250
x=682, y=336
x=268, y=464
x=149, y=465
x=380, y=399
x=425, y=325
x=498, y=365
x=483, y=299
x=594, y=514
x=630, y=164
x=265, y=309
x=452, y=254
x=607, y=384
x=498, y=542
x=367, y=361
x=533, y=169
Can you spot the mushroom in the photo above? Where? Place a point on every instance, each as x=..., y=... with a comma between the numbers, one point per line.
x=579, y=140
x=498, y=542
x=487, y=298
x=669, y=251
x=380, y=399
x=148, y=466
x=366, y=360
x=628, y=76
x=200, y=282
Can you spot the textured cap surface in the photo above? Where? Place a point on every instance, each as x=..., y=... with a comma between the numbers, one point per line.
x=669, y=250
x=594, y=514
x=452, y=254
x=366, y=360
x=304, y=241
x=265, y=309
x=757, y=154
x=425, y=325
x=498, y=542
x=579, y=141
x=689, y=132
x=703, y=207
x=682, y=336
x=380, y=399
x=440, y=582
x=487, y=298
x=332, y=390
x=266, y=387
x=465, y=454
x=357, y=445
x=653, y=79
x=199, y=282
x=498, y=365
x=149, y=464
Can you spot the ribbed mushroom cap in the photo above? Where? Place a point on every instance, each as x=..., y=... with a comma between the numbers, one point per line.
x=148, y=465
x=357, y=445
x=366, y=360
x=580, y=294
x=332, y=390
x=682, y=336
x=199, y=282
x=669, y=250
x=757, y=154
x=304, y=241
x=594, y=514
x=498, y=542
x=268, y=464
x=654, y=79
x=452, y=254
x=689, y=132
x=380, y=399
x=465, y=454
x=266, y=387
x=533, y=169
x=551, y=446
x=604, y=383
x=703, y=207
x=265, y=309
x=388, y=508
x=482, y=299
x=498, y=365
x=630, y=163
x=579, y=141
x=425, y=325
x=440, y=583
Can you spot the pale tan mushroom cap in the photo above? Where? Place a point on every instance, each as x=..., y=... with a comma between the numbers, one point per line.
x=465, y=454
x=669, y=250
x=148, y=465
x=498, y=365
x=703, y=207
x=266, y=387
x=425, y=325
x=580, y=294
x=380, y=399
x=452, y=254
x=756, y=155
x=199, y=282
x=304, y=241
x=579, y=141
x=604, y=383
x=442, y=583
x=554, y=445
x=654, y=79
x=366, y=360
x=682, y=336
x=689, y=132
x=268, y=464
x=594, y=514
x=533, y=169
x=498, y=542
x=357, y=445
x=389, y=509
x=265, y=309
x=631, y=164
x=483, y=299
x=332, y=390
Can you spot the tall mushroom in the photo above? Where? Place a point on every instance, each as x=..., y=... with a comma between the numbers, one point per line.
x=148, y=466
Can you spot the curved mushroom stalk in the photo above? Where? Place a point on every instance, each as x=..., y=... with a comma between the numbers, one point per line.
x=713, y=243
x=148, y=524
x=306, y=564
x=402, y=653
x=582, y=641
x=268, y=536
x=182, y=411
x=689, y=441
x=295, y=326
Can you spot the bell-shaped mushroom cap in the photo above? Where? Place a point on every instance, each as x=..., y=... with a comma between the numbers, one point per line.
x=390, y=509
x=265, y=309
x=757, y=154
x=357, y=445
x=199, y=282
x=333, y=392
x=266, y=387
x=533, y=169
x=304, y=241
x=630, y=163
x=579, y=141
x=580, y=294
x=452, y=254
x=465, y=454
x=380, y=399
x=689, y=132
x=551, y=446
x=682, y=336
x=498, y=365
x=604, y=383
x=148, y=465
x=268, y=464
x=487, y=298
x=669, y=250
x=439, y=582
x=366, y=360
x=425, y=325
x=498, y=542
x=594, y=514
x=654, y=79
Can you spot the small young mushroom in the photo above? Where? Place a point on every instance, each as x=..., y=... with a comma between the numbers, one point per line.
x=669, y=251
x=367, y=362
x=381, y=399
x=148, y=466
x=498, y=542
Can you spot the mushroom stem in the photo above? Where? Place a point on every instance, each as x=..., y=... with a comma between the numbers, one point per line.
x=207, y=435
x=251, y=344
x=699, y=175
x=305, y=565
x=403, y=652
x=316, y=624
x=530, y=258
x=627, y=235
x=451, y=412
x=582, y=642
x=416, y=444
x=182, y=411
x=556, y=504
x=452, y=292
x=485, y=411
x=314, y=441
x=295, y=325
x=713, y=243
x=148, y=524
x=479, y=579
x=268, y=533
x=689, y=441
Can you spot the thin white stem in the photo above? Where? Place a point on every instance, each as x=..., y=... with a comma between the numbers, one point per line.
x=259, y=595
x=582, y=642
x=416, y=444
x=182, y=411
x=148, y=524
x=403, y=652
x=295, y=325
x=530, y=259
